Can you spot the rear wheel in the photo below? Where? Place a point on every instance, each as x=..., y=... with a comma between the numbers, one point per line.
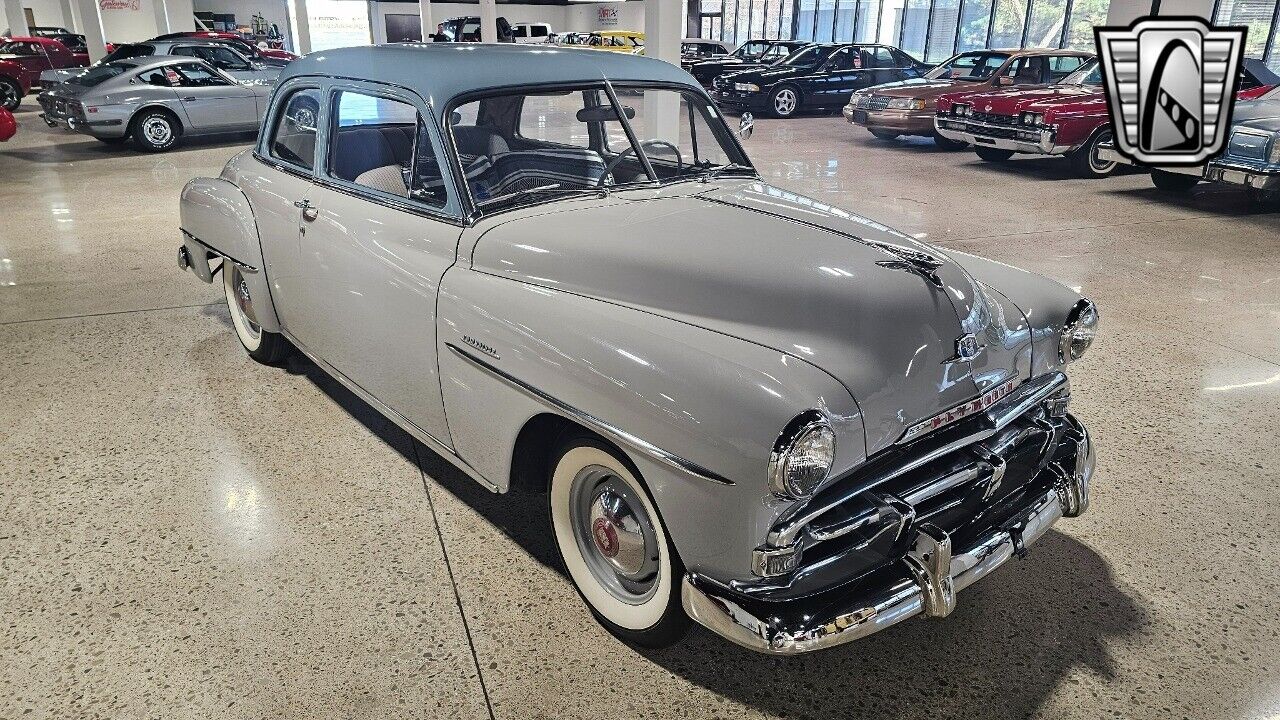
x=785, y=101
x=614, y=546
x=991, y=154
x=155, y=130
x=1171, y=181
x=884, y=134
x=1086, y=162
x=10, y=94
x=946, y=143
x=267, y=348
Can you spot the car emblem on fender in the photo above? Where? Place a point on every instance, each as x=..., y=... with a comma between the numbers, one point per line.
x=987, y=108
x=1170, y=87
x=967, y=348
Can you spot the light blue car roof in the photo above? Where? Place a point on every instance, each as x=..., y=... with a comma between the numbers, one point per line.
x=441, y=71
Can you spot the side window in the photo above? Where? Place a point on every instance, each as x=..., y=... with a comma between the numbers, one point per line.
x=1026, y=71
x=225, y=58
x=885, y=58
x=539, y=31
x=159, y=78
x=383, y=144
x=293, y=139
x=1061, y=66
x=197, y=75
x=843, y=59
x=520, y=31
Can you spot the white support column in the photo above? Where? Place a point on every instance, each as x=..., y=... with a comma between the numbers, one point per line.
x=428, y=25
x=301, y=27
x=16, y=19
x=662, y=34
x=69, y=20
x=489, y=21
x=91, y=28
x=162, y=17
x=181, y=15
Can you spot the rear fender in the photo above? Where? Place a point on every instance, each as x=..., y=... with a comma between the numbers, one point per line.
x=218, y=227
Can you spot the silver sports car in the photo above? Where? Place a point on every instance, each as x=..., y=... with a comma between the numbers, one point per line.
x=217, y=53
x=155, y=101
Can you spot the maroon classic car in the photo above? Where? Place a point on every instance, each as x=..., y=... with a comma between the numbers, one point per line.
x=1069, y=118
x=907, y=107
x=13, y=84
x=34, y=55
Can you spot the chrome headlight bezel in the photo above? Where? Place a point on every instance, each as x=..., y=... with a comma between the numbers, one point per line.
x=807, y=437
x=904, y=103
x=960, y=109
x=1034, y=119
x=1078, y=331
x=1273, y=156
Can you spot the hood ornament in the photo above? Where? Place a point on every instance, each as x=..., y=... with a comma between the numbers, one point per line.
x=916, y=261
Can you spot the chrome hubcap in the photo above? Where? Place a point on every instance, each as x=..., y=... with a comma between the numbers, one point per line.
x=243, y=301
x=157, y=130
x=614, y=534
x=785, y=102
x=1095, y=158
x=8, y=95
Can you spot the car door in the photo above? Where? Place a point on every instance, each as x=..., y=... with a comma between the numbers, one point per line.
x=381, y=228
x=836, y=80
x=212, y=101
x=892, y=65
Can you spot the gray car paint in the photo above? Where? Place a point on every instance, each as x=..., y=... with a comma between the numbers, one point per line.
x=702, y=329
x=236, y=107
x=258, y=73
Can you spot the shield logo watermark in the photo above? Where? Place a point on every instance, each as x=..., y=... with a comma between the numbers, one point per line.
x=1171, y=85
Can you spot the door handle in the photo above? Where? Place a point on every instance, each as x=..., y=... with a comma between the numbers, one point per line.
x=189, y=98
x=309, y=211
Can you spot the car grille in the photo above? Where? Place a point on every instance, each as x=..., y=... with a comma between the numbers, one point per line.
x=873, y=102
x=994, y=119
x=958, y=478
x=1247, y=145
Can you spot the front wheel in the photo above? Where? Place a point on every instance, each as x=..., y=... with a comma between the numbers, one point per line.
x=267, y=348
x=991, y=154
x=784, y=101
x=613, y=545
x=1086, y=162
x=10, y=94
x=1171, y=181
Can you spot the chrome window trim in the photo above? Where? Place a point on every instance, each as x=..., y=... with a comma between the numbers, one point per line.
x=649, y=449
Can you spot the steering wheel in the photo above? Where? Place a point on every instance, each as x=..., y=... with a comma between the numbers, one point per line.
x=608, y=169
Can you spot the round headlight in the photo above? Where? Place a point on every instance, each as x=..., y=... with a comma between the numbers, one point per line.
x=802, y=456
x=1078, y=332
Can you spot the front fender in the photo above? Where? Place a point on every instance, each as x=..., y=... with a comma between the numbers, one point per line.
x=217, y=222
x=715, y=401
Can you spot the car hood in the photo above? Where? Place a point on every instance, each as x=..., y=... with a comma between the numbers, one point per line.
x=921, y=88
x=755, y=262
x=1011, y=101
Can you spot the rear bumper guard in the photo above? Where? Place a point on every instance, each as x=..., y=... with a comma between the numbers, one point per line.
x=932, y=572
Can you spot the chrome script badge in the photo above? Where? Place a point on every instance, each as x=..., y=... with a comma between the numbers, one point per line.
x=1171, y=85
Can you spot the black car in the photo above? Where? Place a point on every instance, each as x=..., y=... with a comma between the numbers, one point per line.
x=818, y=76
x=751, y=55
x=467, y=29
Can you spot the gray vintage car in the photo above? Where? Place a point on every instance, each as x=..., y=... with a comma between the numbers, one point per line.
x=155, y=101
x=218, y=53
x=558, y=269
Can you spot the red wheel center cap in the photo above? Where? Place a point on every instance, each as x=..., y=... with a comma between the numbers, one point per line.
x=606, y=537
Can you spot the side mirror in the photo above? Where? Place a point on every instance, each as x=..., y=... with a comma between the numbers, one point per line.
x=1004, y=80
x=746, y=125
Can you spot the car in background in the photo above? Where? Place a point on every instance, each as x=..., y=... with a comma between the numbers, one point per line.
x=467, y=29
x=820, y=76
x=627, y=41
x=46, y=31
x=694, y=49
x=1068, y=119
x=528, y=33
x=1251, y=159
x=797, y=430
x=267, y=56
x=15, y=83
x=907, y=107
x=35, y=55
x=155, y=101
x=8, y=125
x=217, y=52
x=751, y=55
x=573, y=38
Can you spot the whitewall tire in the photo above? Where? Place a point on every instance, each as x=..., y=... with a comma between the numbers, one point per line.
x=265, y=347
x=614, y=546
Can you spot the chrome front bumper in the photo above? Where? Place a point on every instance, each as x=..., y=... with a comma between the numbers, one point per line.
x=972, y=133
x=925, y=582
x=1213, y=171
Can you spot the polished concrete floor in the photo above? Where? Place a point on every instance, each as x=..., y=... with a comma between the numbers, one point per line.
x=187, y=534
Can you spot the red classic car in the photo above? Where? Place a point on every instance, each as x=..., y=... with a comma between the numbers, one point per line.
x=267, y=56
x=1069, y=118
x=34, y=55
x=8, y=126
x=14, y=84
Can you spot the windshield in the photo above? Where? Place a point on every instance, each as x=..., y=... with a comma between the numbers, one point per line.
x=536, y=145
x=21, y=48
x=1089, y=74
x=102, y=73
x=810, y=55
x=969, y=67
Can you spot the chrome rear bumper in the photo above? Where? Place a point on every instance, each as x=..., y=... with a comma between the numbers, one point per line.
x=925, y=582
x=1214, y=171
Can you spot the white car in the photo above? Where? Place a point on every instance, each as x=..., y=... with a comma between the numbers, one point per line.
x=532, y=32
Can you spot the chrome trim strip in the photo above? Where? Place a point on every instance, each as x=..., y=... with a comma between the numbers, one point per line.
x=944, y=484
x=687, y=466
x=243, y=266
x=1008, y=415
x=403, y=422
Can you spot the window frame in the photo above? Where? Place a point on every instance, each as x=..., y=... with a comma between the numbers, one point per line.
x=279, y=100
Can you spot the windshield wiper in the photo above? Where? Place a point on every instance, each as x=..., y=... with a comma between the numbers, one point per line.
x=483, y=204
x=715, y=172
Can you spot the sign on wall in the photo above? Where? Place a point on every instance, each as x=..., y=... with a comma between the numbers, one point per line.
x=119, y=4
x=607, y=16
